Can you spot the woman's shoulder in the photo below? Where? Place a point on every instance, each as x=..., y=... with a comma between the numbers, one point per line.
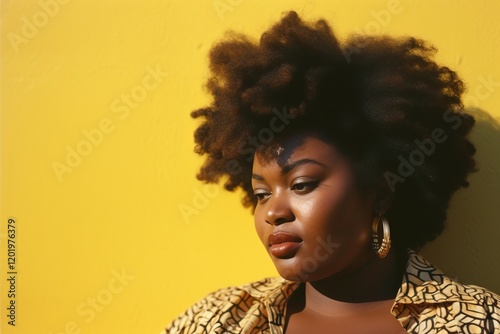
x=260, y=289
x=230, y=306
x=430, y=299
x=424, y=282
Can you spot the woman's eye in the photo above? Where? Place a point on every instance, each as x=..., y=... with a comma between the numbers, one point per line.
x=304, y=186
x=261, y=196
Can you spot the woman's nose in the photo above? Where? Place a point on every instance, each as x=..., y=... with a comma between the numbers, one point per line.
x=279, y=210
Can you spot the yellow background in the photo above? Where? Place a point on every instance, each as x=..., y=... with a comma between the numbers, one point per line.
x=118, y=212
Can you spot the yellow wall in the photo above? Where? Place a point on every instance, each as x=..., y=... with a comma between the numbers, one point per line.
x=101, y=245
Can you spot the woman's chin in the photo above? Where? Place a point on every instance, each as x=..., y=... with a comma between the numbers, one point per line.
x=295, y=273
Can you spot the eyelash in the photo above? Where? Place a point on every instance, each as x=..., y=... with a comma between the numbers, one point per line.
x=311, y=185
x=307, y=185
x=260, y=197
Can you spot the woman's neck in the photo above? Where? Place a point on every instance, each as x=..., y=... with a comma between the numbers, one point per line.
x=321, y=305
x=377, y=279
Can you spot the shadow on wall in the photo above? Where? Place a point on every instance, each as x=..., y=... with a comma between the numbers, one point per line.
x=468, y=250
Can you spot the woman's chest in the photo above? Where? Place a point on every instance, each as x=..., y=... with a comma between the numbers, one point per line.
x=372, y=323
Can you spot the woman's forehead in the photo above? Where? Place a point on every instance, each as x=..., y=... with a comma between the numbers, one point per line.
x=282, y=150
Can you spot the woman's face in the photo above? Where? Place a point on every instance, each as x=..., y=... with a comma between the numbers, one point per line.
x=310, y=216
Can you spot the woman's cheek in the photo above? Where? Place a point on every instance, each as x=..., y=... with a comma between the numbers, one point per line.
x=259, y=224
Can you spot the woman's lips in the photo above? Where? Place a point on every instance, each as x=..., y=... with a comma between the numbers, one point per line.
x=283, y=245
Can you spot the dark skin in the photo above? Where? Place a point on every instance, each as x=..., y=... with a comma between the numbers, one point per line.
x=310, y=193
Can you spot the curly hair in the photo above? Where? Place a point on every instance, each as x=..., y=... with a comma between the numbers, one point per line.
x=383, y=101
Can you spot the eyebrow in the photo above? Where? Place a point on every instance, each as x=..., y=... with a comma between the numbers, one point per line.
x=286, y=169
x=257, y=177
x=300, y=162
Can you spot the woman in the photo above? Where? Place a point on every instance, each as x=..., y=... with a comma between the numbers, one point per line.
x=349, y=155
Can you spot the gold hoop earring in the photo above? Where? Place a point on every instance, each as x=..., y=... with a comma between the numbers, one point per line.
x=381, y=249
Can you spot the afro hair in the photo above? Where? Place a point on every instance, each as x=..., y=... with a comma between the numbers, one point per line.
x=383, y=101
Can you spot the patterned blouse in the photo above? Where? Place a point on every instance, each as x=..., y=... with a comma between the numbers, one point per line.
x=427, y=302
